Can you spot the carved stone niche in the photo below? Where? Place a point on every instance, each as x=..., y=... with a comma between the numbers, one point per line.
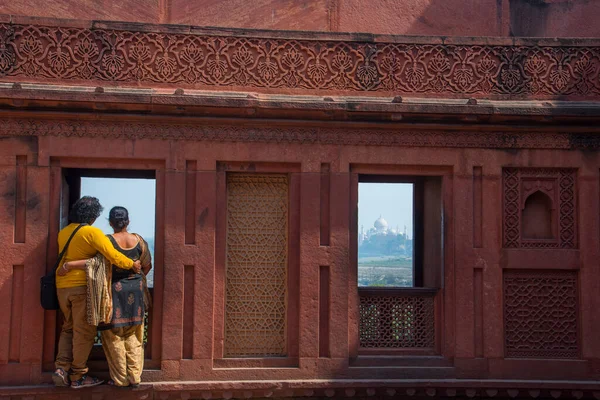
x=538, y=211
x=539, y=208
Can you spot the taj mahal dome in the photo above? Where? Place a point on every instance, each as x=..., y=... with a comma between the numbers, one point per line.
x=380, y=227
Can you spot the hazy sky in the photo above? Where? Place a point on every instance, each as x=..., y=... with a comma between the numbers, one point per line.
x=138, y=196
x=392, y=201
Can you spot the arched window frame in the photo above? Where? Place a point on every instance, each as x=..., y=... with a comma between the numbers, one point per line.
x=548, y=188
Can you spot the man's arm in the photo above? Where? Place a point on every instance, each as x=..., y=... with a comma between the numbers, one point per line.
x=71, y=265
x=100, y=242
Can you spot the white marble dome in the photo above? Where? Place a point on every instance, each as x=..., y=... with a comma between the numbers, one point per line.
x=380, y=224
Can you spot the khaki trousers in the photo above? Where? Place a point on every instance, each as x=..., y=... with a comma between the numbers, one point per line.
x=124, y=351
x=77, y=336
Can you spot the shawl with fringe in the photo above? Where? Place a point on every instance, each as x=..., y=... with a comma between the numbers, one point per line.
x=99, y=293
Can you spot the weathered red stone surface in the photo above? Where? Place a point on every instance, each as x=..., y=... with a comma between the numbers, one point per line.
x=496, y=167
x=131, y=10
x=265, y=14
x=417, y=17
x=538, y=18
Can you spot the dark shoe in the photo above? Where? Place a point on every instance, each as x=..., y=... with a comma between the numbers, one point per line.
x=112, y=383
x=86, y=381
x=60, y=378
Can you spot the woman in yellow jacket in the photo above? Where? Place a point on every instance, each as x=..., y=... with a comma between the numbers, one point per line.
x=77, y=336
x=123, y=337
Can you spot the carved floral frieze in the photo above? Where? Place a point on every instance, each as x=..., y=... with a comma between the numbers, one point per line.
x=67, y=54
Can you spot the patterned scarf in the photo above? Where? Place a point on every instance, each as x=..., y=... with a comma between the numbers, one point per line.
x=99, y=293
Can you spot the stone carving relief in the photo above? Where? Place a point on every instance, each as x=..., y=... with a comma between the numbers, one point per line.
x=302, y=135
x=556, y=191
x=256, y=277
x=398, y=321
x=541, y=314
x=43, y=53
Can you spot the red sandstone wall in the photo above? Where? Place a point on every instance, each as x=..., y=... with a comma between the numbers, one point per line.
x=107, y=10
x=559, y=18
x=476, y=259
x=472, y=332
x=313, y=15
x=552, y=18
x=418, y=17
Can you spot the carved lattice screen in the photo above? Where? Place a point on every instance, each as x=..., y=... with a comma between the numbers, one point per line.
x=257, y=221
x=396, y=321
x=540, y=314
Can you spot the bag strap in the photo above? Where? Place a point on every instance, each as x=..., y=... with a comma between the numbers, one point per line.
x=64, y=250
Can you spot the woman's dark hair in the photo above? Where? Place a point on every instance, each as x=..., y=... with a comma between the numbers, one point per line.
x=118, y=217
x=85, y=210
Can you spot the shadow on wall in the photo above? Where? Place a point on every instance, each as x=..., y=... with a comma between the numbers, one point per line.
x=554, y=18
x=528, y=17
x=420, y=17
x=537, y=18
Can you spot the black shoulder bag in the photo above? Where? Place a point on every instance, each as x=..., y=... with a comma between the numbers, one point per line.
x=48, y=296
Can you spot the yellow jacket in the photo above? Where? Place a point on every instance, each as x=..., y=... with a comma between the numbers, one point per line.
x=86, y=243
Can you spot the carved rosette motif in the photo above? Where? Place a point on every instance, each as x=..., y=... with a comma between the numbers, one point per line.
x=44, y=53
x=560, y=184
x=541, y=314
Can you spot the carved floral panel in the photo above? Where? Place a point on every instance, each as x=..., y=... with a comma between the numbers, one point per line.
x=42, y=53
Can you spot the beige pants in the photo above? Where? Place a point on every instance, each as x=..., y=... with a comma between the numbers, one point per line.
x=77, y=336
x=125, y=353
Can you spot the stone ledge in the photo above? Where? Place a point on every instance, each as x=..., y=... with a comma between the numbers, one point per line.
x=322, y=388
x=203, y=102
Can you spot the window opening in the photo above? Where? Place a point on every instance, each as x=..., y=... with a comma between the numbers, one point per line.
x=385, y=235
x=138, y=196
x=399, y=262
x=132, y=189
